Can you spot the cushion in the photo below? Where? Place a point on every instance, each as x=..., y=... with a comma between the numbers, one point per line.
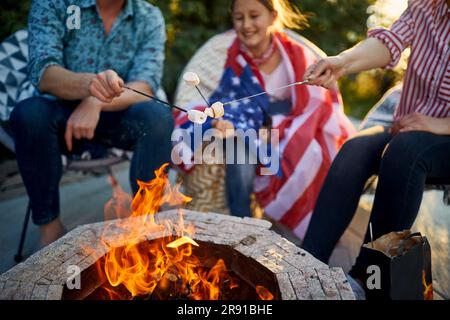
x=14, y=83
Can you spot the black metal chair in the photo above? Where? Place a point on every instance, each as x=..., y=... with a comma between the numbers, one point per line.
x=73, y=163
x=88, y=166
x=382, y=114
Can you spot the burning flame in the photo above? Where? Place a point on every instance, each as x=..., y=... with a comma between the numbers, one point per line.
x=263, y=293
x=166, y=264
x=427, y=288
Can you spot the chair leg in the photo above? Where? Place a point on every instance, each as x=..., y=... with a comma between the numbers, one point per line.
x=18, y=257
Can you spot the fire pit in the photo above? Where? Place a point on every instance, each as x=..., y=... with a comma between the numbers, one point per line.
x=175, y=254
x=256, y=257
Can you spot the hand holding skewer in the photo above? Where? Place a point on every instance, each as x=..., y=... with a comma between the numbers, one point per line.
x=106, y=86
x=325, y=72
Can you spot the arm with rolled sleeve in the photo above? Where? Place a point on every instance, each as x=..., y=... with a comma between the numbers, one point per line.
x=148, y=62
x=382, y=49
x=45, y=34
x=47, y=72
x=398, y=37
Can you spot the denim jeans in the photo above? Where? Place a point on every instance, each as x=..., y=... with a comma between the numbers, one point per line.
x=403, y=162
x=38, y=126
x=240, y=174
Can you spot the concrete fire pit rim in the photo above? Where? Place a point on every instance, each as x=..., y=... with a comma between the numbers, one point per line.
x=44, y=275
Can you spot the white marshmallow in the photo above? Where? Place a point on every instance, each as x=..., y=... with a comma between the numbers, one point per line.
x=216, y=110
x=197, y=116
x=209, y=112
x=191, y=79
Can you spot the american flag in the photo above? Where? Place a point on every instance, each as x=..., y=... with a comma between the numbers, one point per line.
x=310, y=135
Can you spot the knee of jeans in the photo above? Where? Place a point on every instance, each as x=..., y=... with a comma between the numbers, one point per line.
x=240, y=177
x=403, y=150
x=405, y=147
x=30, y=115
x=353, y=145
x=155, y=119
x=347, y=156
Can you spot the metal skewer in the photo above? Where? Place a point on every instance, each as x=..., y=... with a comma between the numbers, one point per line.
x=204, y=99
x=371, y=233
x=156, y=99
x=267, y=92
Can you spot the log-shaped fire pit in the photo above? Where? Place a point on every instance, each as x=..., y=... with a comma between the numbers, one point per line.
x=258, y=261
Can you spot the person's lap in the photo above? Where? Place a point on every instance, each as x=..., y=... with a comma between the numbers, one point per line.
x=402, y=162
x=39, y=124
x=240, y=174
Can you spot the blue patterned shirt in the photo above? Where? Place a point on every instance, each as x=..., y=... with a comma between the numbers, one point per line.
x=134, y=48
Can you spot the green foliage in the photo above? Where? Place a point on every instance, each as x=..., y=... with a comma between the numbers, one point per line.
x=13, y=16
x=334, y=25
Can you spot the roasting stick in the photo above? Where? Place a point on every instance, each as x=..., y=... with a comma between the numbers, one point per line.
x=371, y=233
x=156, y=99
x=198, y=89
x=193, y=115
x=267, y=92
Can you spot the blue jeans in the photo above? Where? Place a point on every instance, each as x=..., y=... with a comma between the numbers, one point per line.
x=239, y=180
x=240, y=175
x=38, y=125
x=402, y=162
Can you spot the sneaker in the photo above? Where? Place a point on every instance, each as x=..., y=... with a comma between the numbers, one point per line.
x=357, y=288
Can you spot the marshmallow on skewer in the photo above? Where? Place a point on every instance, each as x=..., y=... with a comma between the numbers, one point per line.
x=216, y=110
x=191, y=79
x=197, y=116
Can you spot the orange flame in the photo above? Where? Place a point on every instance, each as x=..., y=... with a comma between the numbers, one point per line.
x=119, y=205
x=263, y=293
x=166, y=264
x=427, y=288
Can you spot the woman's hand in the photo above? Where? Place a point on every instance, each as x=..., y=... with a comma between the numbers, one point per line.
x=325, y=72
x=106, y=86
x=419, y=122
x=83, y=121
x=225, y=127
x=368, y=54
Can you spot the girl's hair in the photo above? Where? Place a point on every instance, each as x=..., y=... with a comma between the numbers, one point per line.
x=289, y=16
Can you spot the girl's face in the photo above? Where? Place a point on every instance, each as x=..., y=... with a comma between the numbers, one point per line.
x=252, y=22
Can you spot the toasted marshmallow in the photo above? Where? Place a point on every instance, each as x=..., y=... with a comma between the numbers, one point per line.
x=191, y=79
x=216, y=110
x=197, y=116
x=209, y=112
x=217, y=107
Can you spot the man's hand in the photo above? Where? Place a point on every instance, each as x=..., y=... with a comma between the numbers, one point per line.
x=83, y=121
x=225, y=127
x=325, y=72
x=106, y=86
x=419, y=122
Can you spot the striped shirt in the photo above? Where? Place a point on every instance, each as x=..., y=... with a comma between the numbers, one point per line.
x=425, y=27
